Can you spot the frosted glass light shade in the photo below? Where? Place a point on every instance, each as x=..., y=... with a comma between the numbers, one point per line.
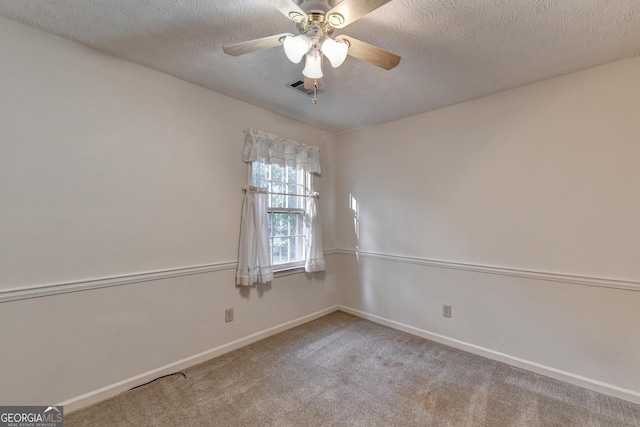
x=313, y=67
x=335, y=51
x=296, y=47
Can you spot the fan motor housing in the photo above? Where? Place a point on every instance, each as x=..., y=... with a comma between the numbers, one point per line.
x=315, y=6
x=315, y=25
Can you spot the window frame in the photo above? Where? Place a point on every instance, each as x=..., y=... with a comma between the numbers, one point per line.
x=307, y=189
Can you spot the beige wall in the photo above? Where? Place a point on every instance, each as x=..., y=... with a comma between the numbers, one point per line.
x=109, y=169
x=543, y=178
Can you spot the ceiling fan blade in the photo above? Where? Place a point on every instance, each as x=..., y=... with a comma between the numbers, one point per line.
x=290, y=10
x=369, y=53
x=254, y=45
x=308, y=83
x=348, y=11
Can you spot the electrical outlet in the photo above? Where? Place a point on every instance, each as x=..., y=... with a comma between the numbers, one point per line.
x=228, y=315
x=446, y=311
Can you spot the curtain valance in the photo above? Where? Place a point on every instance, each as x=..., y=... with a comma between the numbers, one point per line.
x=271, y=149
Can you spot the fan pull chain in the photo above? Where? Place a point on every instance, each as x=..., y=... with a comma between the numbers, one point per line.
x=315, y=91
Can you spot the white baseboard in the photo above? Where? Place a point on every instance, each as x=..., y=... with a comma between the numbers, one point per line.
x=580, y=381
x=114, y=389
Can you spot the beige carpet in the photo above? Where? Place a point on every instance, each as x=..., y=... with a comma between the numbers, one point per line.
x=343, y=371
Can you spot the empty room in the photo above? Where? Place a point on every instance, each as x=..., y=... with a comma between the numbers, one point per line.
x=320, y=213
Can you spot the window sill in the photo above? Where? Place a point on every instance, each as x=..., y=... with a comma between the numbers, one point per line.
x=279, y=271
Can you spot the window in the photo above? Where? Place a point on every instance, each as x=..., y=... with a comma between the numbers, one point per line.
x=280, y=226
x=285, y=211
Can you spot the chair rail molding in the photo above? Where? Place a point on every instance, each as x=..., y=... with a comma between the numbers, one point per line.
x=107, y=282
x=7, y=295
x=602, y=282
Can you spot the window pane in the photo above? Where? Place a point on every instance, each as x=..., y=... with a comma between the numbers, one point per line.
x=278, y=200
x=293, y=254
x=277, y=173
x=280, y=250
x=296, y=248
x=294, y=202
x=292, y=175
x=280, y=224
x=295, y=222
x=260, y=174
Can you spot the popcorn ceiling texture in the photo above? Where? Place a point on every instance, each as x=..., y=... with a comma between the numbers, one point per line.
x=452, y=50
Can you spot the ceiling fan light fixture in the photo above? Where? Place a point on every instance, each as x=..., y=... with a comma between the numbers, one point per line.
x=296, y=47
x=296, y=17
x=316, y=21
x=313, y=66
x=335, y=19
x=335, y=51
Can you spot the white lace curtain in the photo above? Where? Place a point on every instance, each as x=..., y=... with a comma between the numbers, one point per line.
x=254, y=265
x=260, y=146
x=313, y=235
x=254, y=261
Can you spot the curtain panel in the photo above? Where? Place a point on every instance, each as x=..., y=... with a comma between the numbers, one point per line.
x=264, y=147
x=313, y=236
x=254, y=259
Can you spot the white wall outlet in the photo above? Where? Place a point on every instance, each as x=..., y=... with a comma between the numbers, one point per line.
x=446, y=311
x=228, y=315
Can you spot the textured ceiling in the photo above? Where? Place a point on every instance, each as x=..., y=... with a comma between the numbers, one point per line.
x=452, y=50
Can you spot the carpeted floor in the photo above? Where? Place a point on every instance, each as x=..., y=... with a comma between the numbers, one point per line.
x=344, y=371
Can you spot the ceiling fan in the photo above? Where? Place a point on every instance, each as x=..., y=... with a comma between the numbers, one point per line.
x=316, y=21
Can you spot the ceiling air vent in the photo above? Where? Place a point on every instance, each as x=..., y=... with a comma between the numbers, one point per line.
x=298, y=86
